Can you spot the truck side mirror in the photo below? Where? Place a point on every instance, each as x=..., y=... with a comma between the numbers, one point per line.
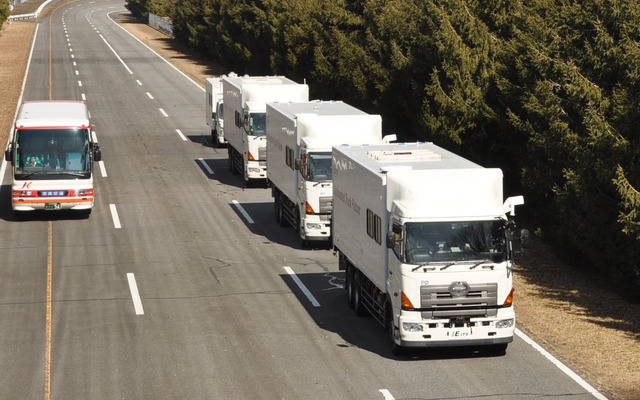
x=297, y=164
x=390, y=240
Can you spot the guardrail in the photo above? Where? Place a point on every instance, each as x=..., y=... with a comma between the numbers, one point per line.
x=32, y=15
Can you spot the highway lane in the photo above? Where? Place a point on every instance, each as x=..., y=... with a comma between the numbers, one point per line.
x=222, y=318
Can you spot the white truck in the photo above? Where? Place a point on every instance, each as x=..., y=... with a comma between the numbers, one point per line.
x=214, y=110
x=299, y=141
x=245, y=99
x=423, y=237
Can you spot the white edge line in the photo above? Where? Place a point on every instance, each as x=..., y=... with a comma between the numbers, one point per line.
x=205, y=165
x=151, y=50
x=116, y=54
x=135, y=295
x=24, y=82
x=242, y=211
x=114, y=216
x=560, y=365
x=301, y=286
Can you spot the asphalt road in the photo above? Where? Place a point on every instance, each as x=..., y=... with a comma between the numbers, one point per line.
x=218, y=315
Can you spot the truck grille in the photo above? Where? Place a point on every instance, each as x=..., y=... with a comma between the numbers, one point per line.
x=438, y=302
x=262, y=153
x=326, y=204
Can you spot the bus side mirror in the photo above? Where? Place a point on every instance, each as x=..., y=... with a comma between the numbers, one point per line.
x=8, y=154
x=97, y=153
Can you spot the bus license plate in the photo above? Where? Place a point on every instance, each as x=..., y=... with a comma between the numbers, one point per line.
x=459, y=333
x=51, y=206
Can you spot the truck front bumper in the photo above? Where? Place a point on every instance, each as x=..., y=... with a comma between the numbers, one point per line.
x=441, y=333
x=316, y=229
x=256, y=170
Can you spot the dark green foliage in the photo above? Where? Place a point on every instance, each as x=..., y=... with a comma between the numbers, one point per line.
x=139, y=8
x=4, y=11
x=548, y=91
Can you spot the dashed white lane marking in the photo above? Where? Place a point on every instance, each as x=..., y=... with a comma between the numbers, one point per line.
x=135, y=295
x=242, y=211
x=183, y=137
x=387, y=395
x=302, y=286
x=205, y=166
x=114, y=216
x=163, y=112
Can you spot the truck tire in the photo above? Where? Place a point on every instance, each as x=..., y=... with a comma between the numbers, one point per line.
x=231, y=159
x=214, y=140
x=349, y=283
x=390, y=328
x=358, y=305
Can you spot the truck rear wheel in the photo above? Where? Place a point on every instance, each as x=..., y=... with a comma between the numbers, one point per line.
x=349, y=283
x=358, y=306
x=214, y=140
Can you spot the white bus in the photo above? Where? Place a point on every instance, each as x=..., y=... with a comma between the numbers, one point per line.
x=52, y=153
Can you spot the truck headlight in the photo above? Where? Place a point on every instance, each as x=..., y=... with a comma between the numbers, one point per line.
x=312, y=226
x=504, y=323
x=254, y=170
x=411, y=327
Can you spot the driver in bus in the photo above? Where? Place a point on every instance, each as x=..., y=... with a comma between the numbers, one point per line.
x=53, y=160
x=33, y=162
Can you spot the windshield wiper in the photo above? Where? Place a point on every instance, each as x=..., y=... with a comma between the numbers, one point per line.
x=478, y=263
x=424, y=265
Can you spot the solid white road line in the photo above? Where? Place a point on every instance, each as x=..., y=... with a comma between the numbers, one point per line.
x=206, y=166
x=242, y=211
x=135, y=295
x=117, y=56
x=302, y=286
x=561, y=366
x=114, y=216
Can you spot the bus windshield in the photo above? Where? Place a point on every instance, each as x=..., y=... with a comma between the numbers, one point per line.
x=52, y=153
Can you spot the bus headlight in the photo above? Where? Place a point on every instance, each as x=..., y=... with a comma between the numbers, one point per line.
x=504, y=323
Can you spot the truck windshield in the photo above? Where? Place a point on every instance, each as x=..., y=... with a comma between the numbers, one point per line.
x=221, y=110
x=257, y=124
x=52, y=153
x=319, y=167
x=473, y=241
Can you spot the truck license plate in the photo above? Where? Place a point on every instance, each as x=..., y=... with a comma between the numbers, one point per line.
x=459, y=333
x=51, y=206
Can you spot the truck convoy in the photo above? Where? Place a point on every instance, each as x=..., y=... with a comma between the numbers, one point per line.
x=214, y=109
x=299, y=141
x=52, y=153
x=245, y=99
x=422, y=234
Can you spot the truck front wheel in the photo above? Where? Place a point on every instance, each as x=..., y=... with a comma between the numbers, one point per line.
x=390, y=327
